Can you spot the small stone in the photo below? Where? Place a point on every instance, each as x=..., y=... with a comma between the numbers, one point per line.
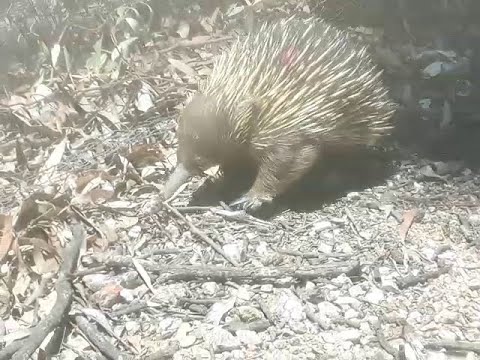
x=471, y=356
x=356, y=291
x=321, y=226
x=328, y=310
x=352, y=335
x=289, y=307
x=351, y=314
x=329, y=338
x=249, y=314
x=446, y=317
x=132, y=327
x=298, y=327
x=365, y=327
x=350, y=301
x=345, y=248
x=310, y=286
x=234, y=251
x=186, y=341
x=375, y=296
x=436, y=355
x=135, y=232
x=325, y=248
x=267, y=288
x=248, y=337
x=235, y=355
x=182, y=336
x=446, y=334
x=220, y=339
x=243, y=294
x=353, y=195
x=210, y=288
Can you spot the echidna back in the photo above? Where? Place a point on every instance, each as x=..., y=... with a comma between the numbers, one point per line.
x=305, y=79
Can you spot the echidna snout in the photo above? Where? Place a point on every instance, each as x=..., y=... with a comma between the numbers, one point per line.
x=198, y=126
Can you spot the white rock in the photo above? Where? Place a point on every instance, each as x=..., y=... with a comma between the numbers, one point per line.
x=345, y=248
x=236, y=355
x=446, y=334
x=351, y=314
x=325, y=248
x=289, y=307
x=220, y=338
x=328, y=310
x=132, y=327
x=248, y=337
x=243, y=293
x=375, y=296
x=234, y=251
x=347, y=300
x=210, y=288
x=322, y=225
x=356, y=291
x=365, y=327
x=352, y=335
x=446, y=317
x=249, y=313
x=329, y=338
x=267, y=288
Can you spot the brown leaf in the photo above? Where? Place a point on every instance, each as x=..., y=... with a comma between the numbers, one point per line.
x=180, y=65
x=408, y=218
x=145, y=154
x=86, y=177
x=183, y=29
x=6, y=234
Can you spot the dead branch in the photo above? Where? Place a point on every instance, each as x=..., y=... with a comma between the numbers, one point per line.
x=23, y=350
x=99, y=340
x=276, y=275
x=200, y=234
x=454, y=345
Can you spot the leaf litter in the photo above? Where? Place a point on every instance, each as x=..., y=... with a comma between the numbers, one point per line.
x=390, y=271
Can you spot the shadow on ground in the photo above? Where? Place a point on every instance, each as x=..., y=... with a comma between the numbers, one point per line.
x=458, y=142
x=326, y=182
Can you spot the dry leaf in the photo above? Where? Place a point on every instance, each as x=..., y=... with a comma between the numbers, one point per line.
x=6, y=234
x=145, y=154
x=180, y=65
x=183, y=29
x=408, y=218
x=49, y=168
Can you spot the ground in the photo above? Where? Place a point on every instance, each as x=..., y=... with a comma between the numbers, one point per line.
x=370, y=257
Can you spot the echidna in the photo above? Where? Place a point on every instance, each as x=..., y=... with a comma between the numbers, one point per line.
x=279, y=98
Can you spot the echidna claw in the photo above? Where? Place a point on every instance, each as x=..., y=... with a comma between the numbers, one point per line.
x=247, y=203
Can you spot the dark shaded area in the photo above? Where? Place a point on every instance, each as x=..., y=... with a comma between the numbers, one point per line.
x=428, y=27
x=327, y=181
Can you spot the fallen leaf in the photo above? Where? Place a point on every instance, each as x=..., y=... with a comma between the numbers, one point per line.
x=408, y=218
x=183, y=29
x=6, y=234
x=180, y=65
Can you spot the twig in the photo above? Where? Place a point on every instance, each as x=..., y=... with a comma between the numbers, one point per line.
x=412, y=280
x=200, y=234
x=189, y=43
x=454, y=345
x=166, y=352
x=238, y=274
x=99, y=340
x=383, y=341
x=23, y=350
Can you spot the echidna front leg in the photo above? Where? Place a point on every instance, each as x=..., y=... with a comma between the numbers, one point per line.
x=280, y=167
